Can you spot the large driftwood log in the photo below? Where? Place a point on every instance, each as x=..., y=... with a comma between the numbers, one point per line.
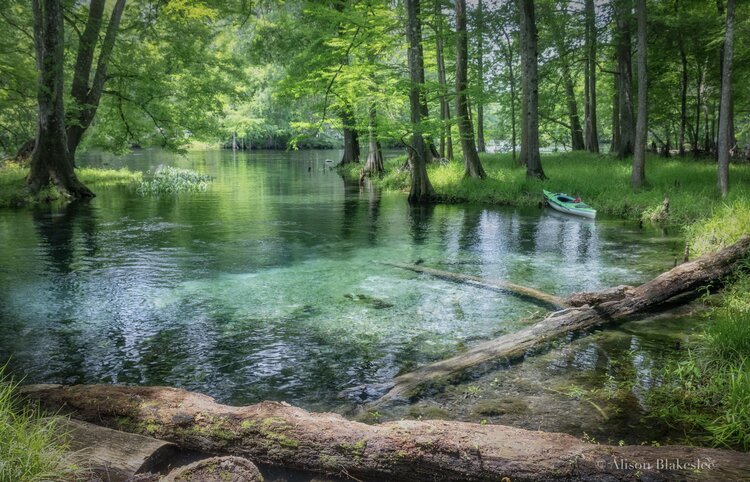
x=526, y=292
x=279, y=434
x=588, y=310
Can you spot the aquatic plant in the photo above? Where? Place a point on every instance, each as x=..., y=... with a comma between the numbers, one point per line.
x=31, y=448
x=172, y=180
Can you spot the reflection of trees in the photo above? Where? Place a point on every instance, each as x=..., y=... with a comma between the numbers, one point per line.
x=57, y=232
x=420, y=221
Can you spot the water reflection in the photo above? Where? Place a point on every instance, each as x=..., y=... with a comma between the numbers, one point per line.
x=272, y=285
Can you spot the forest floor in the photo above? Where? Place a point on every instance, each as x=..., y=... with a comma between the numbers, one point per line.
x=601, y=180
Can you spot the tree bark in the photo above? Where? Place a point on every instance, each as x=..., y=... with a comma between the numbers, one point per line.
x=588, y=310
x=623, y=12
x=530, y=84
x=278, y=434
x=592, y=134
x=374, y=163
x=638, y=175
x=614, y=147
x=421, y=190
x=446, y=137
x=576, y=132
x=726, y=111
x=87, y=97
x=472, y=164
x=50, y=161
x=683, y=85
x=480, y=76
x=512, y=81
x=525, y=292
x=351, y=138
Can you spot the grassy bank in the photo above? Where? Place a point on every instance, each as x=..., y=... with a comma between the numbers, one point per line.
x=14, y=193
x=31, y=448
x=602, y=181
x=707, y=391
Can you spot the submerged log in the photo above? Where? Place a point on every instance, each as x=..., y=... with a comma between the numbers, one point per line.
x=279, y=434
x=489, y=284
x=113, y=455
x=589, y=310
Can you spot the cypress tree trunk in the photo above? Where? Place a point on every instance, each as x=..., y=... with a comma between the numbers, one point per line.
x=683, y=87
x=625, y=82
x=421, y=189
x=638, y=175
x=473, y=166
x=592, y=134
x=446, y=137
x=480, y=77
x=374, y=164
x=725, y=111
x=87, y=97
x=512, y=78
x=615, y=145
x=351, y=139
x=530, y=84
x=50, y=161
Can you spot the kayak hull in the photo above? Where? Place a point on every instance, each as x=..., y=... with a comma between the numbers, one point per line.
x=563, y=203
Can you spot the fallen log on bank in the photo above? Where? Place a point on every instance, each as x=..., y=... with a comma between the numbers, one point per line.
x=588, y=310
x=526, y=292
x=279, y=434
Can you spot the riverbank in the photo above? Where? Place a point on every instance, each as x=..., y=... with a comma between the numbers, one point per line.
x=602, y=181
x=14, y=192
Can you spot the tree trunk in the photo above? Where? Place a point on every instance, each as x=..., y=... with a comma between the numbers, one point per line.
x=421, y=189
x=683, y=86
x=472, y=164
x=446, y=137
x=614, y=147
x=638, y=175
x=351, y=139
x=576, y=132
x=725, y=111
x=50, y=161
x=374, y=164
x=279, y=434
x=87, y=97
x=512, y=79
x=480, y=76
x=698, y=106
x=590, y=310
x=530, y=83
x=625, y=77
x=592, y=134
x=525, y=292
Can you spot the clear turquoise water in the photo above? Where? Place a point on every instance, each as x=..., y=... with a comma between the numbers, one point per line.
x=271, y=285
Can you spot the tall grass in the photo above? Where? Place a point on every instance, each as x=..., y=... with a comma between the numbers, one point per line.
x=709, y=389
x=601, y=180
x=31, y=448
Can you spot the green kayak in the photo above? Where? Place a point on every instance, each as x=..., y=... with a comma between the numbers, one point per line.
x=569, y=205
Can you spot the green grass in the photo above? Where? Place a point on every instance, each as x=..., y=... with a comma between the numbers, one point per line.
x=171, y=180
x=31, y=448
x=602, y=181
x=14, y=193
x=708, y=390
